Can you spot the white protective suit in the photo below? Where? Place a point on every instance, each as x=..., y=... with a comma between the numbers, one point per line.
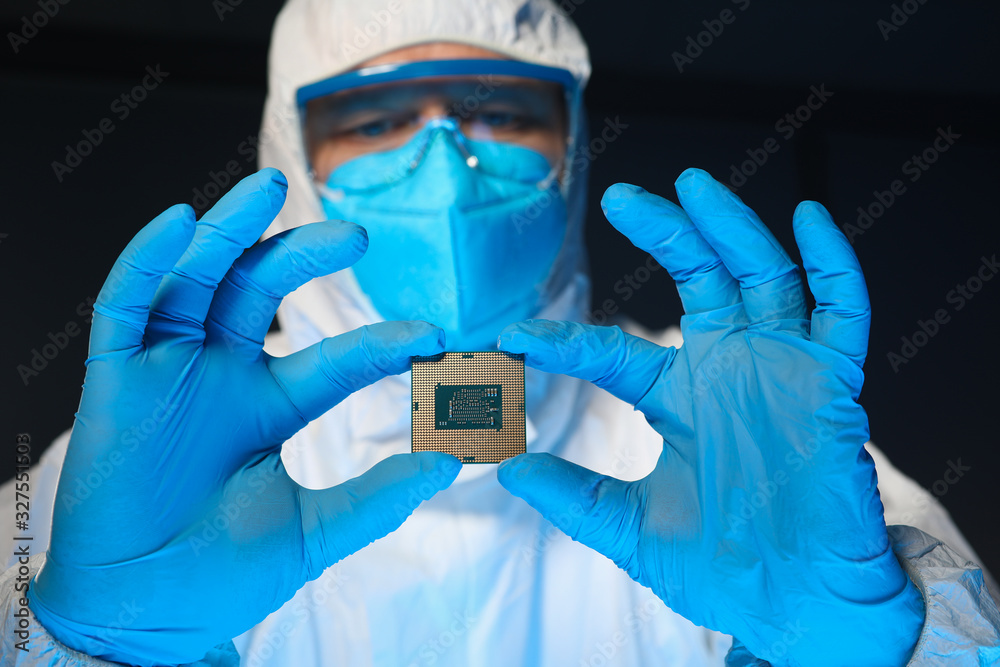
x=475, y=577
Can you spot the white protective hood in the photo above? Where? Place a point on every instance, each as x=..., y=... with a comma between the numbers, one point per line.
x=317, y=39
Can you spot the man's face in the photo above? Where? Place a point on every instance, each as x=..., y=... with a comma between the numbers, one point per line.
x=377, y=118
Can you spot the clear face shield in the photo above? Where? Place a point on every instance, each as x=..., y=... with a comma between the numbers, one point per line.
x=382, y=108
x=456, y=169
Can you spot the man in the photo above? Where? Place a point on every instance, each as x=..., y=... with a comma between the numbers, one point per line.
x=453, y=136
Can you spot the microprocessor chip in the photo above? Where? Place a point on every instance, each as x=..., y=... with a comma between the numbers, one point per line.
x=469, y=405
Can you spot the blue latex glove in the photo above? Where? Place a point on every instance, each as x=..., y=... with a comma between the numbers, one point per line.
x=761, y=518
x=192, y=531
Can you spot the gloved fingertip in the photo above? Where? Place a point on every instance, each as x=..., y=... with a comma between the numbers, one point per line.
x=359, y=239
x=513, y=326
x=510, y=471
x=181, y=214
x=693, y=175
x=511, y=461
x=335, y=244
x=159, y=245
x=534, y=351
x=275, y=176
x=440, y=339
x=617, y=195
x=272, y=185
x=506, y=341
x=443, y=468
x=624, y=190
x=392, y=343
x=450, y=466
x=427, y=339
x=513, y=473
x=347, y=225
x=809, y=209
x=514, y=337
x=181, y=222
x=693, y=183
x=362, y=232
x=701, y=196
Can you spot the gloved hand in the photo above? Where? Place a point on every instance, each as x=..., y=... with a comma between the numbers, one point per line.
x=761, y=518
x=175, y=525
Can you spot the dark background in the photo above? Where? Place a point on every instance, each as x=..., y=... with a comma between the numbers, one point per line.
x=890, y=96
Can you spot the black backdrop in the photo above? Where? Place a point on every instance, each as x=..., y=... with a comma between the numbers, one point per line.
x=891, y=86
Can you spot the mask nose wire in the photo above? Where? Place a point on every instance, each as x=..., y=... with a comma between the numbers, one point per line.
x=451, y=126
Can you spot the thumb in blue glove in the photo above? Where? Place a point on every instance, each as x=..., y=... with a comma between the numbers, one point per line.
x=189, y=414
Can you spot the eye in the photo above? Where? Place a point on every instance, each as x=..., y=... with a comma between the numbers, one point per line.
x=499, y=119
x=375, y=128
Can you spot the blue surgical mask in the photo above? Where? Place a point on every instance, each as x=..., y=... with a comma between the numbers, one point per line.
x=462, y=233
